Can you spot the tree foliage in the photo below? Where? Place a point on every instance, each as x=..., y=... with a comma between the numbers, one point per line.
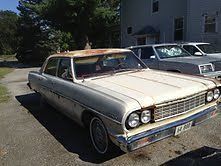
x=47, y=26
x=85, y=20
x=8, y=32
x=38, y=39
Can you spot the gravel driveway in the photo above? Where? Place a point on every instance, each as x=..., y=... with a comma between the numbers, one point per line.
x=31, y=134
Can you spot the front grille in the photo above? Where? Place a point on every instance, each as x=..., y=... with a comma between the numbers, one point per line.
x=179, y=107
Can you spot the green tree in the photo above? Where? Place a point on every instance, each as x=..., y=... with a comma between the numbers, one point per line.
x=38, y=38
x=50, y=25
x=85, y=20
x=8, y=32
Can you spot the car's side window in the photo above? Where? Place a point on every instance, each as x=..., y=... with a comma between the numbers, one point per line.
x=51, y=67
x=191, y=49
x=64, y=69
x=147, y=53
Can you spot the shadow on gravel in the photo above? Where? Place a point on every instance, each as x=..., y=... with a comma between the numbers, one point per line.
x=73, y=137
x=16, y=65
x=204, y=156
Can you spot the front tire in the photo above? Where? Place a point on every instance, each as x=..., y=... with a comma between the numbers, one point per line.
x=99, y=136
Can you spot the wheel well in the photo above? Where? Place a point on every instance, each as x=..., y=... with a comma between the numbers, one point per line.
x=86, y=118
x=175, y=71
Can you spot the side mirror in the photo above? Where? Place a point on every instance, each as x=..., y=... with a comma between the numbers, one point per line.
x=198, y=54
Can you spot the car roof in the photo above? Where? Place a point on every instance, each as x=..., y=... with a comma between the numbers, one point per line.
x=193, y=43
x=155, y=45
x=90, y=52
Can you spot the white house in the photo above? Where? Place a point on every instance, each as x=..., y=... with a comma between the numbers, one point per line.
x=158, y=21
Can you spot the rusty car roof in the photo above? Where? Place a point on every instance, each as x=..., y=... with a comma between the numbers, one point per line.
x=91, y=52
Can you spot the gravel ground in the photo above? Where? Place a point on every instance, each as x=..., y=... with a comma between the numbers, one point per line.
x=34, y=135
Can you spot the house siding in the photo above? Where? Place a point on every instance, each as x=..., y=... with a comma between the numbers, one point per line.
x=137, y=14
x=196, y=10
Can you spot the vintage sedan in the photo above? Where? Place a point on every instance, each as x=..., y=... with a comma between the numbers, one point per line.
x=171, y=57
x=120, y=100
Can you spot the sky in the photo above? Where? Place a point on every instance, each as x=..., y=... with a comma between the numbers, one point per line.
x=9, y=5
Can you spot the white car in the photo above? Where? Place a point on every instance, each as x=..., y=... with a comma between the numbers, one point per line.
x=202, y=49
x=120, y=100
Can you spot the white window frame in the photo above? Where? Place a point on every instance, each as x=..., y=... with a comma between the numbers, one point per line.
x=204, y=24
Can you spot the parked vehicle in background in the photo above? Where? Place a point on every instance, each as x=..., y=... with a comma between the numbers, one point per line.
x=120, y=100
x=171, y=57
x=202, y=49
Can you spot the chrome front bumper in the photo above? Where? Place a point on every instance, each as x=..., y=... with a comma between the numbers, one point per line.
x=148, y=137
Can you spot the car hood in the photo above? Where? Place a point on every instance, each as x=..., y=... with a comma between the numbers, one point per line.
x=193, y=60
x=150, y=87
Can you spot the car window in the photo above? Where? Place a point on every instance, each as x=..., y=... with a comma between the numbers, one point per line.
x=208, y=48
x=171, y=51
x=51, y=66
x=100, y=65
x=147, y=53
x=191, y=49
x=64, y=69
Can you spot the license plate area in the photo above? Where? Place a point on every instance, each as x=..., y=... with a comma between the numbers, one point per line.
x=183, y=128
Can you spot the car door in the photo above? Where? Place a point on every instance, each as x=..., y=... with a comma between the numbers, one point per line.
x=148, y=56
x=64, y=88
x=47, y=80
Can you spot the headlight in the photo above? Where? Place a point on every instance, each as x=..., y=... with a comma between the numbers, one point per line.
x=206, y=68
x=133, y=120
x=216, y=94
x=145, y=116
x=210, y=96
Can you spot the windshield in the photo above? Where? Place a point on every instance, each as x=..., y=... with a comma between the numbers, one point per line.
x=91, y=66
x=165, y=52
x=208, y=48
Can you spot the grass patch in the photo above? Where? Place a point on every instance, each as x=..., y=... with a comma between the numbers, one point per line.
x=4, y=71
x=4, y=94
